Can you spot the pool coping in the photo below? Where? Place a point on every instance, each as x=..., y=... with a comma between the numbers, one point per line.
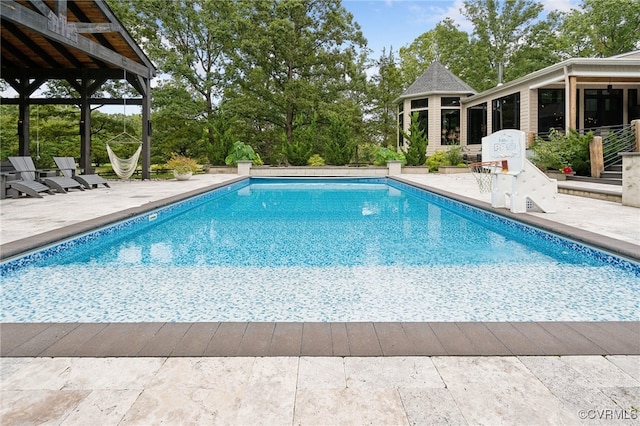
x=337, y=339
x=318, y=339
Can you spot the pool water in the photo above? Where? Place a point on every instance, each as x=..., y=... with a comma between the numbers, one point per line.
x=320, y=250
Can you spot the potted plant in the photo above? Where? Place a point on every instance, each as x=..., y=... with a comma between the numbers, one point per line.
x=240, y=151
x=183, y=167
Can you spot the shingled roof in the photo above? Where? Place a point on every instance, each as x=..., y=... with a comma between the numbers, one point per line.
x=437, y=79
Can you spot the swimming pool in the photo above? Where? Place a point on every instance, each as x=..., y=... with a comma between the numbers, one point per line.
x=319, y=250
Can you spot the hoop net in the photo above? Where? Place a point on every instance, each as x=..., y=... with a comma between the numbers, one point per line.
x=483, y=173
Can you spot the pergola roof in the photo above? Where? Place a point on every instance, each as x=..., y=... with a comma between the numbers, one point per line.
x=82, y=42
x=50, y=37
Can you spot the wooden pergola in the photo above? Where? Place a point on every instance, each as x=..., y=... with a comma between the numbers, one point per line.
x=81, y=42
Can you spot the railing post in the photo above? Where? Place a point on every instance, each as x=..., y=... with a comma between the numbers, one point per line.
x=596, y=156
x=635, y=125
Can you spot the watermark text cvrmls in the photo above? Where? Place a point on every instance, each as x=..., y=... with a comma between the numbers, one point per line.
x=608, y=414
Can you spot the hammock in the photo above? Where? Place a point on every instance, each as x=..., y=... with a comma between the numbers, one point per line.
x=124, y=167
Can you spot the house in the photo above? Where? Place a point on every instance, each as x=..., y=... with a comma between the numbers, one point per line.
x=579, y=93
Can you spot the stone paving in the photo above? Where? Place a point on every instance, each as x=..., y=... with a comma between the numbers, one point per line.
x=414, y=390
x=588, y=390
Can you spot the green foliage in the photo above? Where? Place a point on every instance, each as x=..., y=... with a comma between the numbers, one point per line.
x=385, y=154
x=561, y=150
x=340, y=147
x=601, y=28
x=385, y=86
x=454, y=156
x=242, y=152
x=304, y=141
x=417, y=142
x=315, y=161
x=367, y=153
x=298, y=153
x=292, y=58
x=182, y=165
x=437, y=159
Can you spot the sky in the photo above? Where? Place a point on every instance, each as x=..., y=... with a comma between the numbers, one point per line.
x=398, y=23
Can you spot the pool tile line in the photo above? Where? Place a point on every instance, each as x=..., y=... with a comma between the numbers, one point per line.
x=358, y=339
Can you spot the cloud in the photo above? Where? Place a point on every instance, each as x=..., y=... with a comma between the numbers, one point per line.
x=430, y=13
x=560, y=5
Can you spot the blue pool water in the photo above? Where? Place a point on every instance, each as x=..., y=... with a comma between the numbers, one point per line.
x=319, y=250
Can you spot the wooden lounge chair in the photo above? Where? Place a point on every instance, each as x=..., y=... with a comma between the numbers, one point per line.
x=26, y=171
x=67, y=166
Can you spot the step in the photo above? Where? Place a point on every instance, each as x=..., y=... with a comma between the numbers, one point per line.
x=611, y=175
x=614, y=168
x=603, y=180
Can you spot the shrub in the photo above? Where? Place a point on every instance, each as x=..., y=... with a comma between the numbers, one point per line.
x=340, y=147
x=560, y=150
x=417, y=143
x=367, y=152
x=182, y=164
x=240, y=151
x=454, y=156
x=385, y=154
x=315, y=161
x=437, y=159
x=297, y=153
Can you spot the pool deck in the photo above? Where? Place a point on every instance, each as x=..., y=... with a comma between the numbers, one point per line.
x=315, y=373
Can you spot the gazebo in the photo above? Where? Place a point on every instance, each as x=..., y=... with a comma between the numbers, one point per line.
x=81, y=42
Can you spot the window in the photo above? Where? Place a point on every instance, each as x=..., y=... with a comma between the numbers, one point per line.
x=602, y=107
x=476, y=123
x=420, y=103
x=423, y=119
x=634, y=105
x=400, y=128
x=450, y=127
x=449, y=101
x=506, y=112
x=551, y=107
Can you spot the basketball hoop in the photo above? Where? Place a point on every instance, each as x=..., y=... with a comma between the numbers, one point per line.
x=483, y=172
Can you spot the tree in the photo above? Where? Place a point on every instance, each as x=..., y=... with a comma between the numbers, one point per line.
x=385, y=86
x=416, y=154
x=293, y=58
x=501, y=29
x=340, y=146
x=446, y=44
x=601, y=28
x=197, y=36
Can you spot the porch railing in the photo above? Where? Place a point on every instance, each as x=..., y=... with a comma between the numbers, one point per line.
x=614, y=140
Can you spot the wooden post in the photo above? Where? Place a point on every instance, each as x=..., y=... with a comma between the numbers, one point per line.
x=596, y=155
x=531, y=137
x=573, y=104
x=635, y=125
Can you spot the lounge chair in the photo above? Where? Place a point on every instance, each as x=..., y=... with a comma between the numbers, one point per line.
x=67, y=166
x=12, y=187
x=26, y=171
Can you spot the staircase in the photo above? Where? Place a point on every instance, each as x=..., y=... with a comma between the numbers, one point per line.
x=614, y=140
x=612, y=175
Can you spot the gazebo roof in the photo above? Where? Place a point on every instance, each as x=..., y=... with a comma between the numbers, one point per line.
x=437, y=80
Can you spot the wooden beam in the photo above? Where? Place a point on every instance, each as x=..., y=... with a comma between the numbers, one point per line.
x=73, y=101
x=85, y=27
x=13, y=12
x=41, y=6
